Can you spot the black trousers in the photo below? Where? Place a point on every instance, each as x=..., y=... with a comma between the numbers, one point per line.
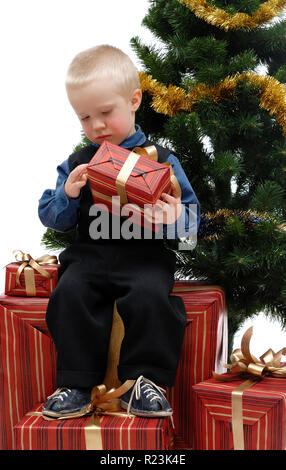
x=80, y=312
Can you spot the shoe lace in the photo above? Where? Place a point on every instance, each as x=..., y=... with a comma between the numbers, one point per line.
x=60, y=393
x=147, y=389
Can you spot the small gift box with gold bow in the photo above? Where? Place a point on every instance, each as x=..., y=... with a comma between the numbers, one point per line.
x=133, y=177
x=30, y=277
x=244, y=409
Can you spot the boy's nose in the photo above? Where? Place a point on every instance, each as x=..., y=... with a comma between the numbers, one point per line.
x=98, y=124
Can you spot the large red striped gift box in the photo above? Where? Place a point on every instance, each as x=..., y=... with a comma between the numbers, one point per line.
x=204, y=349
x=262, y=421
x=27, y=371
x=33, y=285
x=115, y=431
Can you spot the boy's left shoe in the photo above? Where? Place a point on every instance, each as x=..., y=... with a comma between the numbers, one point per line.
x=146, y=399
x=67, y=403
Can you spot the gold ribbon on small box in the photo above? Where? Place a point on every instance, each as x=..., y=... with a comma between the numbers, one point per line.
x=130, y=162
x=245, y=365
x=29, y=265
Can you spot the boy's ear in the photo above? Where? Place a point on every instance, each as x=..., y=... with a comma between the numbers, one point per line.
x=136, y=99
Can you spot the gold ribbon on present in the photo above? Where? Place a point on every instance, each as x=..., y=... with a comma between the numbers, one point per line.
x=29, y=265
x=246, y=365
x=130, y=162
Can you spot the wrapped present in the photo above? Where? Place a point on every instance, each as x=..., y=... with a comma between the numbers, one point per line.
x=27, y=371
x=30, y=277
x=133, y=177
x=244, y=409
x=111, y=431
x=204, y=349
x=30, y=309
x=24, y=334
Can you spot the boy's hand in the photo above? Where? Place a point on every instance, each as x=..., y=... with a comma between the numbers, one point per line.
x=76, y=180
x=166, y=210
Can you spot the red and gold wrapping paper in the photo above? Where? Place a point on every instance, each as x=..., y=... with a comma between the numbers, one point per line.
x=43, y=286
x=30, y=309
x=133, y=178
x=147, y=180
x=105, y=432
x=264, y=414
x=205, y=346
x=27, y=371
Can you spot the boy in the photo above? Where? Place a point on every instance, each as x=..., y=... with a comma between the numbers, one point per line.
x=104, y=90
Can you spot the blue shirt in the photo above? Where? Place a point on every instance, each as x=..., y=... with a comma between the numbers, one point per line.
x=59, y=212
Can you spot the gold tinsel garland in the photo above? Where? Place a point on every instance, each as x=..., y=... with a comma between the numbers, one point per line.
x=172, y=99
x=220, y=18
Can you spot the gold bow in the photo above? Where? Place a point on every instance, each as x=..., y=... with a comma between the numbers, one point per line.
x=243, y=363
x=102, y=401
x=29, y=265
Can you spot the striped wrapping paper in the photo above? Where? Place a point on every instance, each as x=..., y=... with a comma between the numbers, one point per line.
x=147, y=181
x=204, y=348
x=43, y=285
x=117, y=432
x=205, y=345
x=264, y=415
x=30, y=309
x=27, y=371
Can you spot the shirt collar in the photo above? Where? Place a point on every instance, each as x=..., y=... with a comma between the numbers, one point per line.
x=134, y=140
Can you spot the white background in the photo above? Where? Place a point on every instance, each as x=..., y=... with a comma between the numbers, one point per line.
x=38, y=39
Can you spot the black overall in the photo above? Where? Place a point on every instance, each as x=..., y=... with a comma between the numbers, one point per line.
x=139, y=276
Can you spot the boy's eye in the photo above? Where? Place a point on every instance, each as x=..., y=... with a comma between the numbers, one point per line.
x=84, y=118
x=107, y=111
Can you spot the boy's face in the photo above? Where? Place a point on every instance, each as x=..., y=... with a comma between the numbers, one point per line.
x=104, y=113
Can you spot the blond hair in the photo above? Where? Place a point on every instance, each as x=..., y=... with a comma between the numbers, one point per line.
x=103, y=61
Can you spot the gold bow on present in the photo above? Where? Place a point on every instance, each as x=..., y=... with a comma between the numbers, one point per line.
x=29, y=265
x=245, y=365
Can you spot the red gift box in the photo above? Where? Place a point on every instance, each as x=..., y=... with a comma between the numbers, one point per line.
x=30, y=309
x=204, y=348
x=41, y=286
x=27, y=371
x=263, y=408
x=114, y=431
x=133, y=178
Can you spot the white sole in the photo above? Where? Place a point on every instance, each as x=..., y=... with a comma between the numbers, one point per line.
x=147, y=414
x=76, y=414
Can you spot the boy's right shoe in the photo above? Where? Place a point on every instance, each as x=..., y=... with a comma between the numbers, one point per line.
x=68, y=403
x=146, y=399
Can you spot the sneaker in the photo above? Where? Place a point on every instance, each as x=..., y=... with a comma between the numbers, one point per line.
x=68, y=403
x=146, y=399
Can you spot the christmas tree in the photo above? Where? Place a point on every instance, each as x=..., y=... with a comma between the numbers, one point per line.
x=206, y=96
x=214, y=93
